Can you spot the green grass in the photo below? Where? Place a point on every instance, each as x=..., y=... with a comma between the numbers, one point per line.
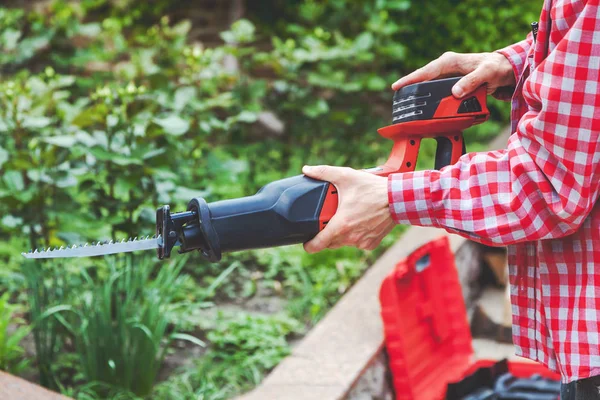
x=11, y=353
x=244, y=347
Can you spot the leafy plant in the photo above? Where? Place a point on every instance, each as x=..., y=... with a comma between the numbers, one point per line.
x=12, y=331
x=47, y=294
x=122, y=325
x=243, y=348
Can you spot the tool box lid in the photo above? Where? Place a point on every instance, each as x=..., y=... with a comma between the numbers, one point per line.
x=425, y=323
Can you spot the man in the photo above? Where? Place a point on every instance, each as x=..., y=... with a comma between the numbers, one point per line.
x=538, y=196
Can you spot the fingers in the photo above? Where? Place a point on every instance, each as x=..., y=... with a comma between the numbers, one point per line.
x=447, y=63
x=322, y=241
x=329, y=237
x=325, y=172
x=472, y=81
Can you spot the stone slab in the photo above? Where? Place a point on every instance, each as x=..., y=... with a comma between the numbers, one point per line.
x=14, y=388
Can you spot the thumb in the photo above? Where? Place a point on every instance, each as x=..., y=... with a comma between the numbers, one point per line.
x=323, y=172
x=471, y=82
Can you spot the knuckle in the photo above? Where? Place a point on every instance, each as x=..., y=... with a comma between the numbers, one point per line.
x=472, y=80
x=343, y=230
x=343, y=172
x=363, y=245
x=449, y=57
x=321, y=170
x=373, y=245
x=354, y=238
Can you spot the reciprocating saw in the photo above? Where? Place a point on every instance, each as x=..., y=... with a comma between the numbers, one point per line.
x=296, y=209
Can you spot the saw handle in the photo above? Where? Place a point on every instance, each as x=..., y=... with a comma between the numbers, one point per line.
x=449, y=149
x=287, y=211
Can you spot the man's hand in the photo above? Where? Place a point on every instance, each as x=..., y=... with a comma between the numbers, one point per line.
x=478, y=68
x=362, y=218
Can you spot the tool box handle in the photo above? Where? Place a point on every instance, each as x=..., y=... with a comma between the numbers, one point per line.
x=422, y=265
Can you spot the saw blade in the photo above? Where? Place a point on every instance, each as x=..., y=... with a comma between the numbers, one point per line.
x=98, y=249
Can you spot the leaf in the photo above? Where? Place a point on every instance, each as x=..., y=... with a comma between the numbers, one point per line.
x=173, y=124
x=188, y=338
x=399, y=5
x=364, y=41
x=92, y=29
x=317, y=108
x=3, y=156
x=85, y=138
x=11, y=222
x=60, y=141
x=376, y=83
x=14, y=181
x=247, y=116
x=183, y=95
x=105, y=155
x=154, y=153
x=66, y=182
x=182, y=28
x=185, y=194
x=112, y=121
x=90, y=116
x=3, y=125
x=122, y=188
x=35, y=122
x=242, y=31
x=10, y=38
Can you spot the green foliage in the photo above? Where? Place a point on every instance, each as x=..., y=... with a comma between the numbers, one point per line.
x=48, y=289
x=244, y=348
x=122, y=324
x=467, y=26
x=117, y=320
x=11, y=333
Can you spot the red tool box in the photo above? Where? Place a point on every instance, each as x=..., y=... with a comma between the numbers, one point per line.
x=426, y=330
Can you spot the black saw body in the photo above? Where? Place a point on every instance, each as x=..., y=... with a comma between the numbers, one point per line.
x=296, y=209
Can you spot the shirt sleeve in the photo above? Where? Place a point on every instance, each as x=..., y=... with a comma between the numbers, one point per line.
x=516, y=54
x=546, y=182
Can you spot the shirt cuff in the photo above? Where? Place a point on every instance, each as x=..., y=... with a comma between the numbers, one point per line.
x=409, y=196
x=516, y=55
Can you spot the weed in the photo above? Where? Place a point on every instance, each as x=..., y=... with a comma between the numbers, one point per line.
x=244, y=347
x=124, y=329
x=11, y=353
x=48, y=289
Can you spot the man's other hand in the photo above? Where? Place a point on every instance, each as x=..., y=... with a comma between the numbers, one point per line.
x=492, y=69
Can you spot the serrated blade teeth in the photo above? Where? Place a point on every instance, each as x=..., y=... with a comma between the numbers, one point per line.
x=99, y=248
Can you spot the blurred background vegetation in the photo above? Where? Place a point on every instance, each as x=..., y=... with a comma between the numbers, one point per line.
x=110, y=108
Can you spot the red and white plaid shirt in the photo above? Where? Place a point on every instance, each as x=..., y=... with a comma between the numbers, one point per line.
x=539, y=196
